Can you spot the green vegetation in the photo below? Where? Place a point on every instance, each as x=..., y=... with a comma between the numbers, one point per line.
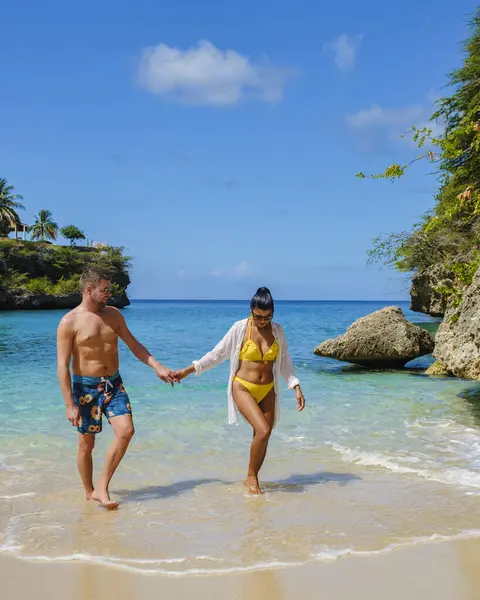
x=450, y=234
x=72, y=233
x=38, y=274
x=32, y=268
x=44, y=227
x=8, y=207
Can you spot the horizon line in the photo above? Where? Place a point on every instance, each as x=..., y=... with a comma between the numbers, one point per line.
x=246, y=300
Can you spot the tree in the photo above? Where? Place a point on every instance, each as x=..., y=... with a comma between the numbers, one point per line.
x=8, y=207
x=44, y=227
x=72, y=233
x=450, y=233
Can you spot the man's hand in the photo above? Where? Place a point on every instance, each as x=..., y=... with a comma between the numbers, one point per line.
x=300, y=398
x=166, y=375
x=72, y=413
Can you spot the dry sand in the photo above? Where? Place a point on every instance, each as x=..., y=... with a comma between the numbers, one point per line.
x=436, y=571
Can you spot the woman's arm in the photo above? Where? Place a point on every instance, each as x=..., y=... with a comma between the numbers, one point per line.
x=215, y=357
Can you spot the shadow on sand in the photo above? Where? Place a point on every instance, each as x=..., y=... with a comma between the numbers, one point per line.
x=152, y=492
x=294, y=484
x=298, y=483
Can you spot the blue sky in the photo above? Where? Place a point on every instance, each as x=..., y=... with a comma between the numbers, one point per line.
x=219, y=142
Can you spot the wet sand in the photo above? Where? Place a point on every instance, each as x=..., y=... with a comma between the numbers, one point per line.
x=437, y=571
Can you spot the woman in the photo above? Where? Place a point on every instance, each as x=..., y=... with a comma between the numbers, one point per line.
x=258, y=354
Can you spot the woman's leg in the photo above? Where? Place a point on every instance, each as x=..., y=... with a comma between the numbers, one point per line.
x=261, y=419
x=267, y=406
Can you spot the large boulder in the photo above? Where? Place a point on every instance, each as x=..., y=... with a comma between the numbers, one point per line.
x=424, y=294
x=383, y=339
x=457, y=343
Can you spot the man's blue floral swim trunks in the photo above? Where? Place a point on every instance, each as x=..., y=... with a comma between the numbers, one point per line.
x=95, y=396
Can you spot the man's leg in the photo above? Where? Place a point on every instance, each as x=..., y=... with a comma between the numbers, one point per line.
x=86, y=443
x=123, y=430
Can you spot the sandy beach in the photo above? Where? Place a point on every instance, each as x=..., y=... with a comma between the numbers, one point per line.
x=438, y=570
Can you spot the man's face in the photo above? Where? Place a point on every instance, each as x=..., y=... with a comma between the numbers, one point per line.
x=100, y=293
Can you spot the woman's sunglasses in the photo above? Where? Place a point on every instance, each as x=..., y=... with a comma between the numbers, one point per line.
x=261, y=317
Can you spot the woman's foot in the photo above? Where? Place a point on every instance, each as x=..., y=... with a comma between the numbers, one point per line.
x=253, y=486
x=104, y=500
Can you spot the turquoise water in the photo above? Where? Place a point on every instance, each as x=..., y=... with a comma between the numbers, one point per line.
x=376, y=459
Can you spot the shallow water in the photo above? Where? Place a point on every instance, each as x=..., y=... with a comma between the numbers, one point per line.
x=377, y=459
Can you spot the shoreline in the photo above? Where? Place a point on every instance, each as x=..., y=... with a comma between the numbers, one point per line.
x=441, y=570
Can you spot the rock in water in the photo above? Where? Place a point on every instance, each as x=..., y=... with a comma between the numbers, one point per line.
x=436, y=369
x=457, y=343
x=383, y=339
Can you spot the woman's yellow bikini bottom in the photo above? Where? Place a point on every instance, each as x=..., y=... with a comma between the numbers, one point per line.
x=258, y=390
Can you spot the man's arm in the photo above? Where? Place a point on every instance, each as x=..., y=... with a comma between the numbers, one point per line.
x=64, y=354
x=165, y=374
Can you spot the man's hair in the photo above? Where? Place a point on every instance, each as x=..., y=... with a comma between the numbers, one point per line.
x=93, y=277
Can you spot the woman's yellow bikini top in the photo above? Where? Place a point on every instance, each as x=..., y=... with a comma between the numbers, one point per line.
x=252, y=352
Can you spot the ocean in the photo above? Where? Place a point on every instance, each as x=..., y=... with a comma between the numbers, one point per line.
x=377, y=460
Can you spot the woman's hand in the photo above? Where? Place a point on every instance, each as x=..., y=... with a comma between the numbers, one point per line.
x=300, y=398
x=182, y=373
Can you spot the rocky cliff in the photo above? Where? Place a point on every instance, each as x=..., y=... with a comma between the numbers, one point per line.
x=45, y=276
x=425, y=295
x=457, y=342
x=20, y=300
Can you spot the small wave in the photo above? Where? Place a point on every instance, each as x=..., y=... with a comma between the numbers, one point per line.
x=24, y=495
x=141, y=566
x=451, y=476
x=332, y=555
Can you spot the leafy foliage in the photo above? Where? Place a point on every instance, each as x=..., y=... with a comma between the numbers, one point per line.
x=450, y=233
x=8, y=207
x=44, y=227
x=29, y=267
x=72, y=233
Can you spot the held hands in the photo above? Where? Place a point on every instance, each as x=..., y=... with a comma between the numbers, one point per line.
x=300, y=398
x=166, y=375
x=182, y=373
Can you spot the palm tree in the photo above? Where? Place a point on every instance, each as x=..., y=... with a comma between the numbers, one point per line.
x=8, y=207
x=44, y=228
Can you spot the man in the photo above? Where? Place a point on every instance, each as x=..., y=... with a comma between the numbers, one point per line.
x=88, y=336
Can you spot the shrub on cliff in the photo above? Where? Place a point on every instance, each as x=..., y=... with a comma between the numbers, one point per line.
x=40, y=269
x=72, y=233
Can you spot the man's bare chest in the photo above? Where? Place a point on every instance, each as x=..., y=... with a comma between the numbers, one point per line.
x=96, y=332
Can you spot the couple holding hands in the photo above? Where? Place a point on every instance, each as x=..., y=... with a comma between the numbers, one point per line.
x=87, y=340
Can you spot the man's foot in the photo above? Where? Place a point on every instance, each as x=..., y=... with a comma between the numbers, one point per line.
x=253, y=486
x=104, y=500
x=88, y=495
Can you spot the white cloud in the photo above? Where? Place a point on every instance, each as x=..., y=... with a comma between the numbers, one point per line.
x=344, y=49
x=379, y=126
x=394, y=121
x=239, y=271
x=205, y=74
